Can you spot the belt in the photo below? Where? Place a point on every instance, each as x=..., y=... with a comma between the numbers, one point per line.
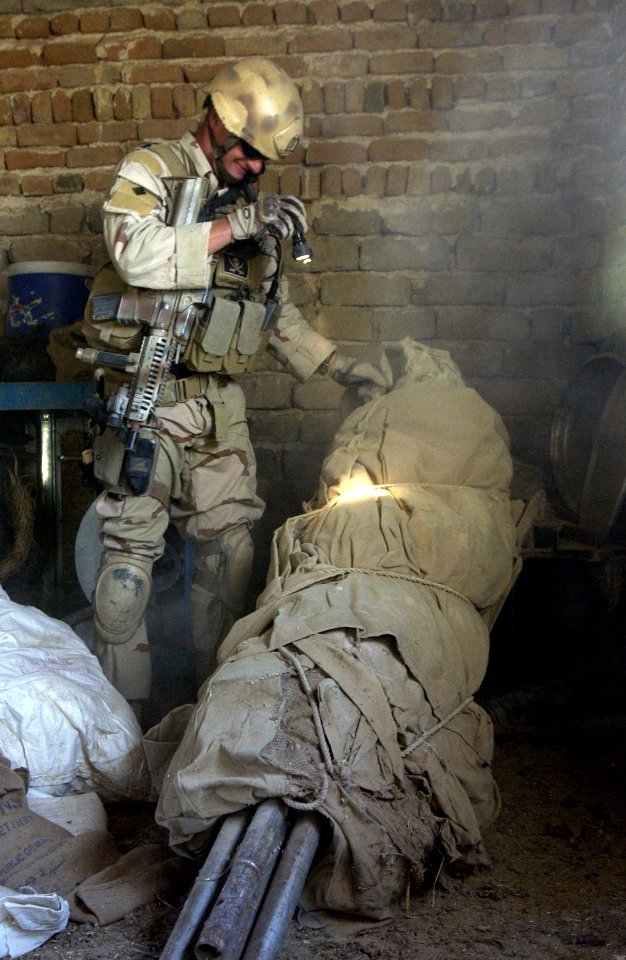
x=176, y=390
x=199, y=385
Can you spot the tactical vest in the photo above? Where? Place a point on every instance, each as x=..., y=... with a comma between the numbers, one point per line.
x=233, y=340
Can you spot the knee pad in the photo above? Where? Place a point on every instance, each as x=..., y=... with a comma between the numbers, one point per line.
x=223, y=567
x=121, y=596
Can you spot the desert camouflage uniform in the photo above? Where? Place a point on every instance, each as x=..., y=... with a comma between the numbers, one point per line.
x=205, y=477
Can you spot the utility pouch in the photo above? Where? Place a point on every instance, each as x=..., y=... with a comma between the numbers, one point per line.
x=108, y=457
x=252, y=322
x=218, y=334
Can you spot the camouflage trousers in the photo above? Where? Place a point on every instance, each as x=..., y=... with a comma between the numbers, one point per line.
x=205, y=484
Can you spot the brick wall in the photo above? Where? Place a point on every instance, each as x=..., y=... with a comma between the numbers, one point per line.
x=463, y=174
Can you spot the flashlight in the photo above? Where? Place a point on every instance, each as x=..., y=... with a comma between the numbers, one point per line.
x=300, y=250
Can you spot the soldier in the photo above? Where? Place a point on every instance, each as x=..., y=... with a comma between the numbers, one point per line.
x=205, y=475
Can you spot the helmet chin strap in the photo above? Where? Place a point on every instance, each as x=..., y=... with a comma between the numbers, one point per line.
x=218, y=152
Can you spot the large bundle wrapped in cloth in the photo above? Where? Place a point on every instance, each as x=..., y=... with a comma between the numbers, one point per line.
x=350, y=688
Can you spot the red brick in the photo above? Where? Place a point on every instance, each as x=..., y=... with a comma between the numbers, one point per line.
x=68, y=183
x=290, y=12
x=440, y=36
x=375, y=180
x=489, y=9
x=413, y=61
x=419, y=94
x=442, y=93
x=6, y=112
x=331, y=182
x=396, y=94
x=396, y=182
x=7, y=28
x=355, y=96
x=418, y=181
x=122, y=105
x=416, y=121
x=22, y=111
x=64, y=23
x=41, y=108
x=345, y=65
x=483, y=61
x=224, y=15
x=311, y=186
x=46, y=134
x=12, y=81
x=28, y=159
x=161, y=129
x=339, y=152
x=82, y=106
x=246, y=44
x=95, y=156
x=19, y=58
x=97, y=179
x=334, y=101
x=152, y=73
x=9, y=184
x=351, y=185
x=95, y=21
x=184, y=101
x=364, y=125
x=36, y=185
x=425, y=10
x=386, y=38
x=185, y=48
x=116, y=131
x=257, y=14
x=517, y=31
x=143, y=48
x=32, y=28
x=159, y=19
x=393, y=148
x=77, y=76
x=390, y=10
x=61, y=106
x=312, y=98
x=62, y=52
x=353, y=12
x=161, y=102
x=126, y=18
x=321, y=41
x=322, y=11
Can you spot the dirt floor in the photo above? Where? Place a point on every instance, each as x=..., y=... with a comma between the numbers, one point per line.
x=556, y=888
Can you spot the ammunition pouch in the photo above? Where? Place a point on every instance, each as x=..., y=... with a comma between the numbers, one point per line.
x=232, y=339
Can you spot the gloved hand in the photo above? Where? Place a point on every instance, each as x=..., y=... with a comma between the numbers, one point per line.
x=282, y=214
x=370, y=381
x=291, y=216
x=269, y=248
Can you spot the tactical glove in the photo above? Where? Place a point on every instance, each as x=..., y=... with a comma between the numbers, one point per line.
x=369, y=380
x=281, y=214
x=291, y=216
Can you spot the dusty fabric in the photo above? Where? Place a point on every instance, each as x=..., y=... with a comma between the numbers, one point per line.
x=143, y=875
x=40, y=854
x=350, y=688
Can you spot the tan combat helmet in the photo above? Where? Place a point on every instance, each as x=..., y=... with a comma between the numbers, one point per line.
x=259, y=103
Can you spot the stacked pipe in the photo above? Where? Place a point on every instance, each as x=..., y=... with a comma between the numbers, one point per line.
x=247, y=890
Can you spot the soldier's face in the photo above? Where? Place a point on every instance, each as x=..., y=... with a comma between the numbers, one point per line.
x=240, y=161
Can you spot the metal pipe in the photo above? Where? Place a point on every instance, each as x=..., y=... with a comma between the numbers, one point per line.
x=205, y=886
x=229, y=923
x=284, y=892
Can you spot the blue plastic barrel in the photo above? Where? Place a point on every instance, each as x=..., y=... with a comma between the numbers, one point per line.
x=46, y=293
